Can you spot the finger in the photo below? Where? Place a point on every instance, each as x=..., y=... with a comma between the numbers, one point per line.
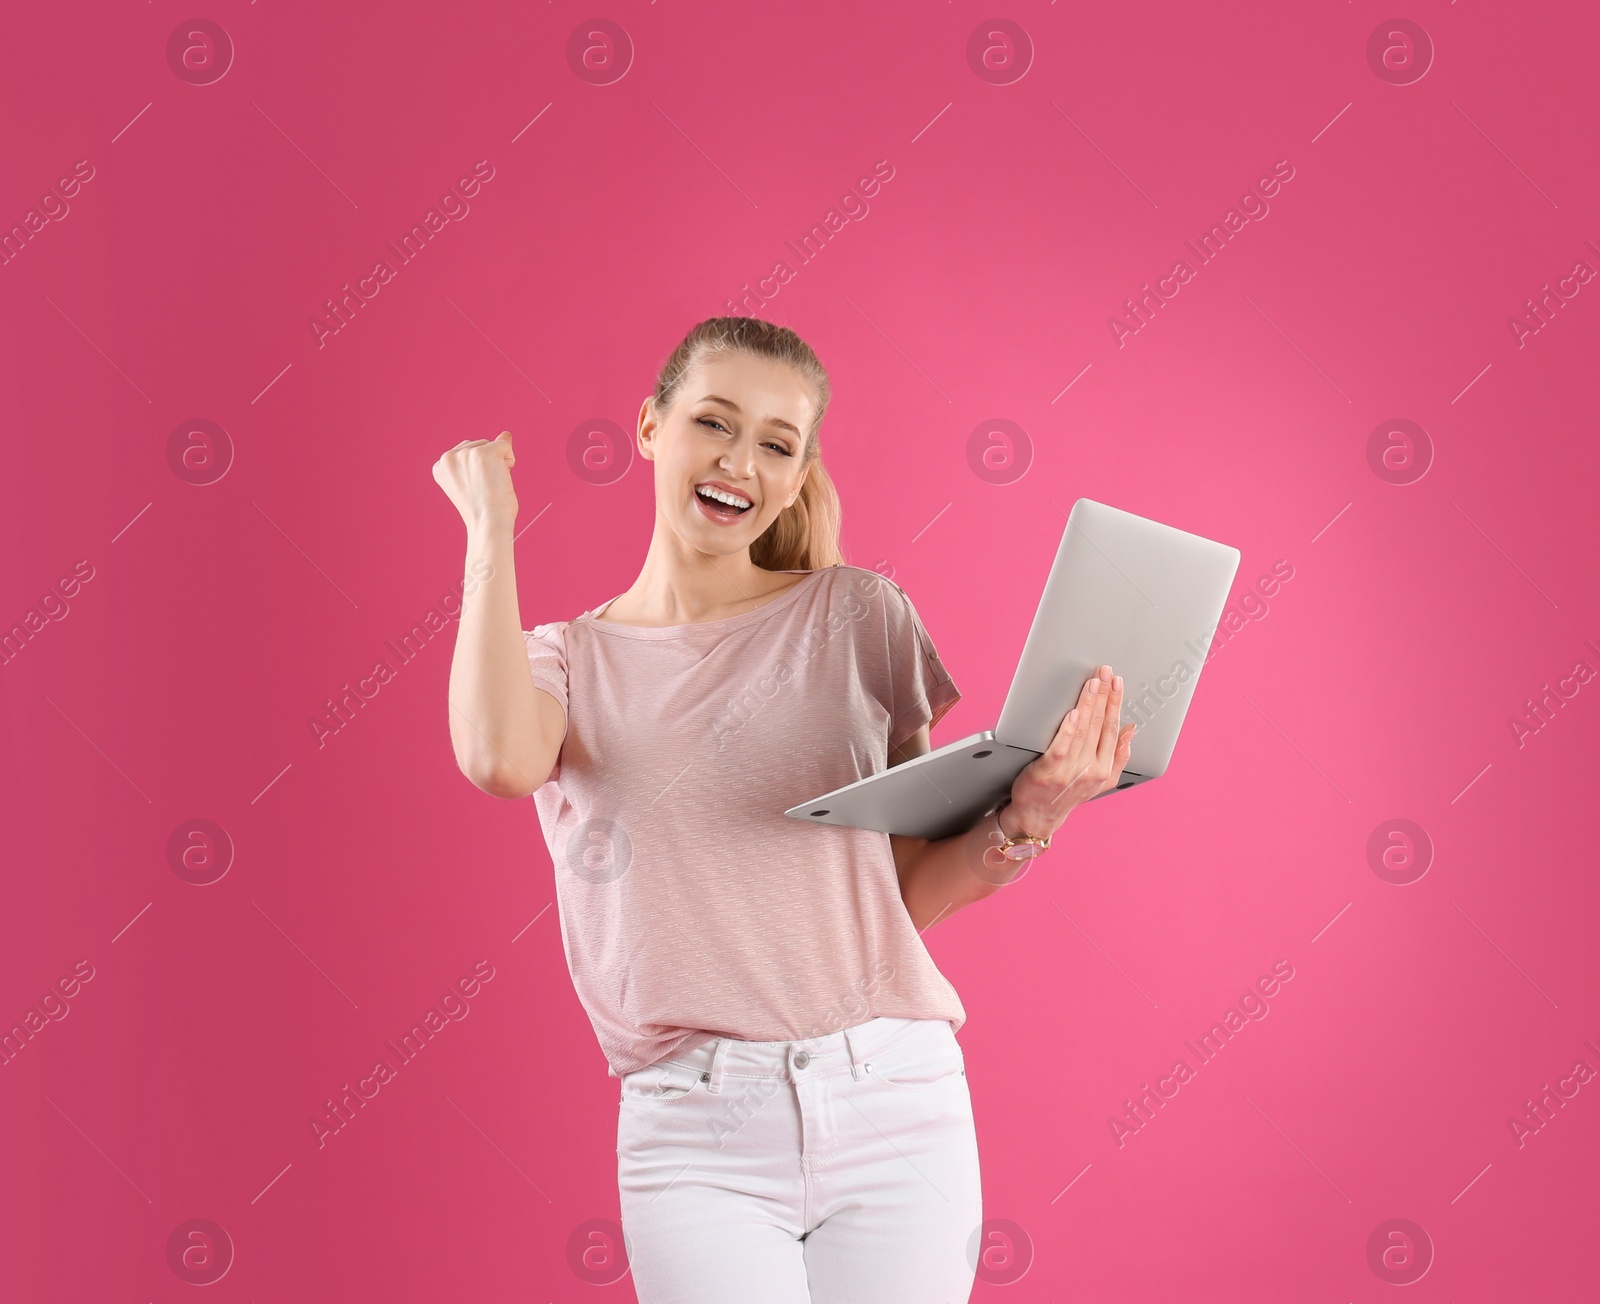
x=1067, y=734
x=1069, y=761
x=1113, y=722
x=1101, y=744
x=1061, y=744
x=1054, y=768
x=1089, y=736
x=1088, y=716
x=504, y=437
x=1120, y=761
x=1124, y=750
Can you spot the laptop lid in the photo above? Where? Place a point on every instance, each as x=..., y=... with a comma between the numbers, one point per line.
x=1131, y=593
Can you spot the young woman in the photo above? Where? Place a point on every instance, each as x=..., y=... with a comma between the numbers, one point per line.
x=794, y=1123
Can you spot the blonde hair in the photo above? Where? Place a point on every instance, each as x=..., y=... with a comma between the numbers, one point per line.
x=806, y=534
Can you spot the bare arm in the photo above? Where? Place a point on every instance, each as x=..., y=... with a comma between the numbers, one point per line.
x=1083, y=760
x=505, y=729
x=938, y=878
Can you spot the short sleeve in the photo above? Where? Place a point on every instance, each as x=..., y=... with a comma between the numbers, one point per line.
x=921, y=690
x=547, y=657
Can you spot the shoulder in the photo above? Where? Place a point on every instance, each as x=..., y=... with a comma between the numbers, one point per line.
x=558, y=629
x=549, y=637
x=557, y=634
x=869, y=603
x=844, y=581
x=859, y=587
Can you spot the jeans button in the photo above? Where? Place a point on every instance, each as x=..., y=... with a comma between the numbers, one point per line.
x=801, y=1059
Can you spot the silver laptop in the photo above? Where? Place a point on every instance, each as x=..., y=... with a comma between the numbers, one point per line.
x=1133, y=594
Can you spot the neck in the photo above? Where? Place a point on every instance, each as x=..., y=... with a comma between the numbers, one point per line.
x=680, y=585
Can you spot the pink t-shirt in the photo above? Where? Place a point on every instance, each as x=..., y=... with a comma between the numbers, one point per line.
x=691, y=907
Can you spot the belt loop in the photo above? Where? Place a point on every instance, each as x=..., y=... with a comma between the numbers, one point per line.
x=857, y=1051
x=715, y=1081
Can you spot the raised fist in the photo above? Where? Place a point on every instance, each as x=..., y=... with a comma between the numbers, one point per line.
x=476, y=474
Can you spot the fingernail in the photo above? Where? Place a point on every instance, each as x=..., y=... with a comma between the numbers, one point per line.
x=1116, y=683
x=1094, y=685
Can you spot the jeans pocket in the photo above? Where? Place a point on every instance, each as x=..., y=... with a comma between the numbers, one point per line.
x=667, y=1080
x=925, y=1056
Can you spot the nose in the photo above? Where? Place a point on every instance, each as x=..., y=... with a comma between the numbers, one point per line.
x=739, y=460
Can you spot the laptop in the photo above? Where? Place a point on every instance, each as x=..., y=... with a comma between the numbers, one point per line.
x=1134, y=594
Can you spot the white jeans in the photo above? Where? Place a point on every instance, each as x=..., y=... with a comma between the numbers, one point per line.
x=833, y=1170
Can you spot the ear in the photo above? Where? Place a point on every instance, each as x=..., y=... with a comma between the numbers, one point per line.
x=647, y=431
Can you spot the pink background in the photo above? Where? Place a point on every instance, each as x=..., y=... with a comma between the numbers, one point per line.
x=368, y=876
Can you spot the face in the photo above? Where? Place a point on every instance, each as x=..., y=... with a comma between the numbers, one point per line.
x=736, y=430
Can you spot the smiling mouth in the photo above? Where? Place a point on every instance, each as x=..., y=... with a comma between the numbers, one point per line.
x=712, y=505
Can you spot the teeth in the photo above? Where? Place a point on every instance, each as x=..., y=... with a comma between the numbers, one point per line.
x=733, y=500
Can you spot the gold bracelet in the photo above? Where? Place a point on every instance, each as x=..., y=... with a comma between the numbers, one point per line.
x=1024, y=846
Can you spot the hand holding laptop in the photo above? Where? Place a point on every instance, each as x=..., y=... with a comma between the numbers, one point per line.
x=1084, y=759
x=1124, y=591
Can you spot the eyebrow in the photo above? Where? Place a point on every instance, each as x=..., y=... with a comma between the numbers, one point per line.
x=771, y=421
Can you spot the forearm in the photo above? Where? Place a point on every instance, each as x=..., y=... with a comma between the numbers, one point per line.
x=494, y=721
x=1085, y=759
x=938, y=878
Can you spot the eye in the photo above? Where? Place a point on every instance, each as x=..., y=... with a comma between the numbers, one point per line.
x=716, y=424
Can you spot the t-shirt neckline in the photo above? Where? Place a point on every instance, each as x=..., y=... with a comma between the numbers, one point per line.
x=720, y=626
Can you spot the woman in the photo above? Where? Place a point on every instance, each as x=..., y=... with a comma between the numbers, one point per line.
x=794, y=1123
